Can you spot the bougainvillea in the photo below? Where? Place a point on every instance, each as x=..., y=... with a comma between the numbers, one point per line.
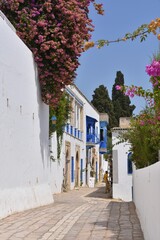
x=154, y=68
x=55, y=31
x=152, y=96
x=144, y=135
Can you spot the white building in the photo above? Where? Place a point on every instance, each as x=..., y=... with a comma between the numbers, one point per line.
x=122, y=165
x=80, y=156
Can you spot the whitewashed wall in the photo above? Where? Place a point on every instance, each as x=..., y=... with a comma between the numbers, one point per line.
x=24, y=162
x=57, y=166
x=122, y=181
x=146, y=195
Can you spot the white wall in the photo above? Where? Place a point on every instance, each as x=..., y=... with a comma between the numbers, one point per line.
x=146, y=194
x=23, y=129
x=56, y=166
x=122, y=181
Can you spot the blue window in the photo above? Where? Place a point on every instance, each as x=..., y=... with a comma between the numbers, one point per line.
x=75, y=132
x=130, y=170
x=67, y=128
x=78, y=133
x=72, y=169
x=71, y=130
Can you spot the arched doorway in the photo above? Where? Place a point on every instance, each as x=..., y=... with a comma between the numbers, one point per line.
x=92, y=172
x=66, y=172
x=77, y=175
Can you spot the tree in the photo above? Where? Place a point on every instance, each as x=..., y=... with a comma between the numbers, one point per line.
x=102, y=102
x=121, y=103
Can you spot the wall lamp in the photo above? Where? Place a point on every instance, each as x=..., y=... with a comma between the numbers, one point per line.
x=54, y=120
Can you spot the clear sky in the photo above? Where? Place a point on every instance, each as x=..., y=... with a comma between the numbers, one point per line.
x=99, y=66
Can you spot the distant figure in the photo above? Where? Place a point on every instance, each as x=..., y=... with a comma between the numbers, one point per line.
x=105, y=178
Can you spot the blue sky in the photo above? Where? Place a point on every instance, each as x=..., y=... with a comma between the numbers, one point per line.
x=99, y=66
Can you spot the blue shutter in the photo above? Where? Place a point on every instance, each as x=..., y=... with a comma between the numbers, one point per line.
x=75, y=132
x=67, y=128
x=71, y=130
x=72, y=169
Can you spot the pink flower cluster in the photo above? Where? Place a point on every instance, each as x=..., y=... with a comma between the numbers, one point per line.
x=55, y=31
x=152, y=97
x=153, y=69
x=131, y=91
x=118, y=87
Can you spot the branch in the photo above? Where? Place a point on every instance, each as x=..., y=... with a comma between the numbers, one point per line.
x=143, y=31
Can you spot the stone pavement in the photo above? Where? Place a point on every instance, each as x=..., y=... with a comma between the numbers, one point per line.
x=81, y=214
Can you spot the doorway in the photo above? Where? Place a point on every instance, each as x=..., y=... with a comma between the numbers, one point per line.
x=66, y=173
x=77, y=174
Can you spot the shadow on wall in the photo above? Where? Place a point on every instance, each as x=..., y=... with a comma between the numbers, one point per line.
x=43, y=117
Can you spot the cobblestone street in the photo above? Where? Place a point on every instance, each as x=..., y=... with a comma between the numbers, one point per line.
x=84, y=213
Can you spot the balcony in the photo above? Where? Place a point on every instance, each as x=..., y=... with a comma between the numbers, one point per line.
x=91, y=137
x=103, y=147
x=73, y=131
x=91, y=140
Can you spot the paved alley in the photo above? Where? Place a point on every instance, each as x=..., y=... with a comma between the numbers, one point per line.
x=81, y=214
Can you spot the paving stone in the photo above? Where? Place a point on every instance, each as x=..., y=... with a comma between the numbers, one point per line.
x=84, y=214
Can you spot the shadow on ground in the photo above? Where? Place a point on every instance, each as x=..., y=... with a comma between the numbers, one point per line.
x=121, y=221
x=100, y=193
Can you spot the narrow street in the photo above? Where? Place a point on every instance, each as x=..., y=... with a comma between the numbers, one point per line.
x=81, y=214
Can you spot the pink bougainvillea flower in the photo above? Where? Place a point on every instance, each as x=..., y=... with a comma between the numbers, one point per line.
x=118, y=87
x=154, y=68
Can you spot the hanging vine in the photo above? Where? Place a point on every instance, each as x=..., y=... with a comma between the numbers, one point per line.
x=62, y=114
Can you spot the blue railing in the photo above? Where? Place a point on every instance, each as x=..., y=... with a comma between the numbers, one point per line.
x=73, y=131
x=92, y=138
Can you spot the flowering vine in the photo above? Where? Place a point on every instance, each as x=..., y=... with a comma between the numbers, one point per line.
x=152, y=96
x=62, y=113
x=55, y=32
x=145, y=133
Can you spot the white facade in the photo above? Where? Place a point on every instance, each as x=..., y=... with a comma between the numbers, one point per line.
x=122, y=180
x=74, y=167
x=146, y=195
x=24, y=144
